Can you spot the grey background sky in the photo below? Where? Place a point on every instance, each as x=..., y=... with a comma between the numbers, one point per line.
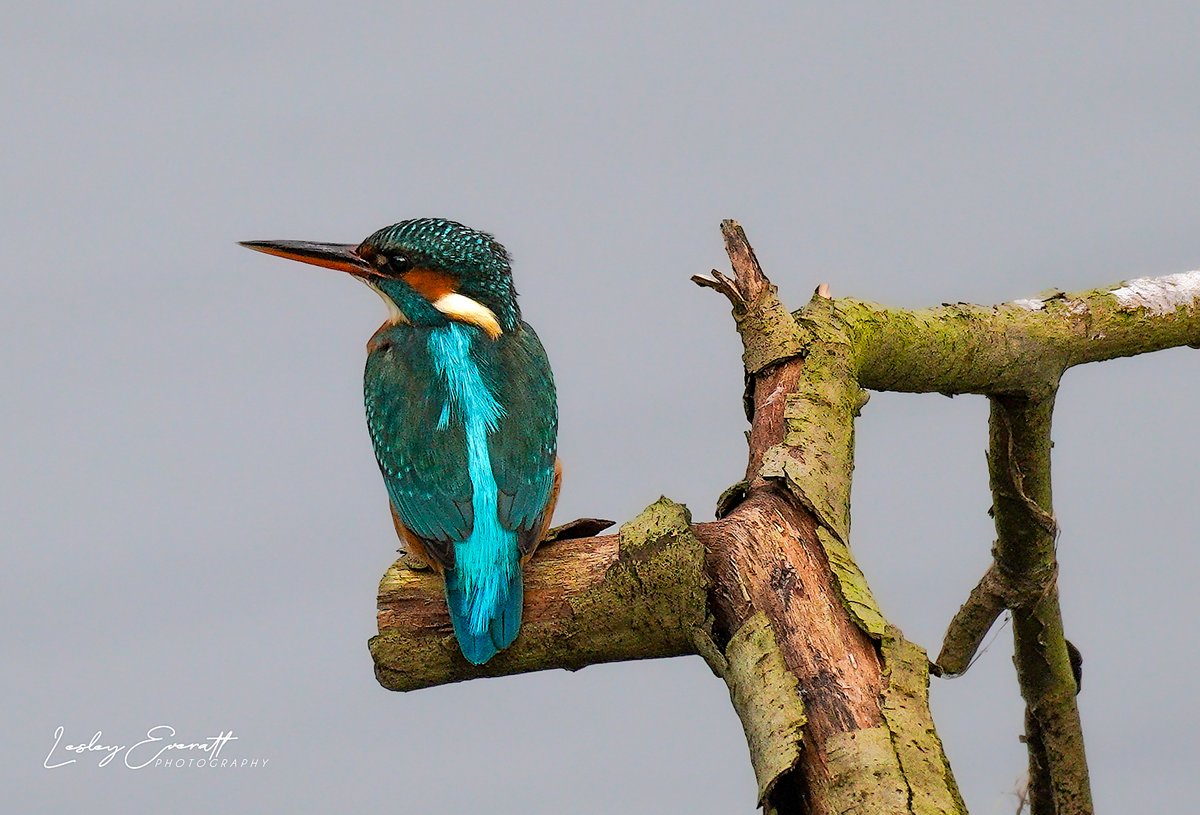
x=193, y=521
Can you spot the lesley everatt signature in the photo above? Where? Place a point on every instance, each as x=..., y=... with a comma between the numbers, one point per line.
x=157, y=749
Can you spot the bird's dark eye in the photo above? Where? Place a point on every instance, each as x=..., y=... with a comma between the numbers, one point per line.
x=392, y=263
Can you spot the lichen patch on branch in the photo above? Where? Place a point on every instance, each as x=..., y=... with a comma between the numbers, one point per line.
x=1160, y=295
x=766, y=696
x=926, y=772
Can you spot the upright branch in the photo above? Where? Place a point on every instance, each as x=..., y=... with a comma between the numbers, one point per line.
x=1026, y=531
x=832, y=697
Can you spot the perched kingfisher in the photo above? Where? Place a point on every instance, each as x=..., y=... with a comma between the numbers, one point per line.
x=462, y=413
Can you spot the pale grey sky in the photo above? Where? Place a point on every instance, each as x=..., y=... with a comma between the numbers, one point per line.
x=193, y=521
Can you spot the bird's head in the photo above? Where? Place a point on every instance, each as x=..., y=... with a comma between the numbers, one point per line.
x=428, y=271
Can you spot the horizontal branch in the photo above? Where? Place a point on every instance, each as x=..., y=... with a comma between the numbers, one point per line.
x=1022, y=346
x=636, y=595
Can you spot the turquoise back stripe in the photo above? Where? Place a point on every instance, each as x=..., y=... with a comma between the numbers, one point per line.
x=487, y=561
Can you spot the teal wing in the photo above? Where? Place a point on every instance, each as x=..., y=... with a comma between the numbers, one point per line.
x=421, y=455
x=524, y=446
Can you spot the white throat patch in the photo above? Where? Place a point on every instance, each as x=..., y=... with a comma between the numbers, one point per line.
x=395, y=315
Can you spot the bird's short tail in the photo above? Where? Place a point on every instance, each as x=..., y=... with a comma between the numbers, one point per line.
x=486, y=613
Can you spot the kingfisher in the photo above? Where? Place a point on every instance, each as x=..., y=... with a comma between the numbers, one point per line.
x=462, y=413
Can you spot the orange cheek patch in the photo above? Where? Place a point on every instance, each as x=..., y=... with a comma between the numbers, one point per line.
x=430, y=284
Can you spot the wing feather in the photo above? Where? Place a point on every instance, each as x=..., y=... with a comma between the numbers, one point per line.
x=524, y=447
x=422, y=458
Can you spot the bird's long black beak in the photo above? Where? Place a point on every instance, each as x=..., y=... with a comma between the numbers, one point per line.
x=340, y=256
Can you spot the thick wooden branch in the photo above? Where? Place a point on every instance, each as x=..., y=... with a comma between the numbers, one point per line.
x=636, y=595
x=1021, y=346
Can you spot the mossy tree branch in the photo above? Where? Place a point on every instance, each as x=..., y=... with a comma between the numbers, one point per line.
x=833, y=699
x=1019, y=464
x=1019, y=347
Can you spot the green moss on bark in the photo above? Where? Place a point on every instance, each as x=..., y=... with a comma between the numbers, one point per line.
x=864, y=774
x=656, y=590
x=766, y=695
x=932, y=790
x=852, y=584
